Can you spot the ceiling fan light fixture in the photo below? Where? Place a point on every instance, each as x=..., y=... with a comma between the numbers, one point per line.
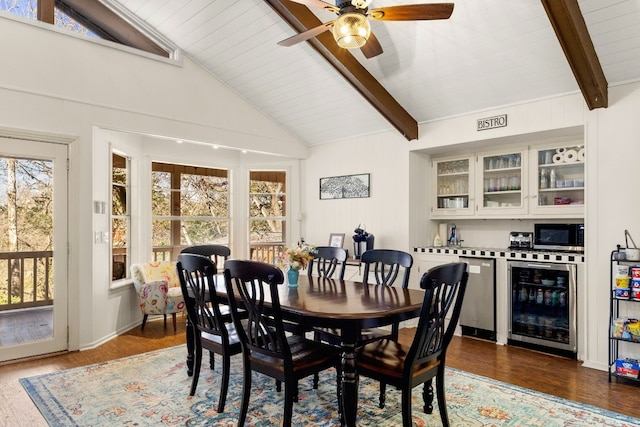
x=351, y=30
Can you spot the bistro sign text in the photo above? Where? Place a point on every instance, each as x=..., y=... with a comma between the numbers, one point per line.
x=492, y=122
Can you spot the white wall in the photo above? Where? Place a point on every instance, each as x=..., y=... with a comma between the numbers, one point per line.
x=57, y=83
x=385, y=213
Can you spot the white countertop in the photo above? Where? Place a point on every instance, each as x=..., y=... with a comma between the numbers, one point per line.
x=509, y=254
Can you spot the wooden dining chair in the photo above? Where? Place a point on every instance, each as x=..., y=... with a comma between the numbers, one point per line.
x=218, y=253
x=213, y=329
x=326, y=260
x=388, y=267
x=385, y=265
x=405, y=367
x=266, y=346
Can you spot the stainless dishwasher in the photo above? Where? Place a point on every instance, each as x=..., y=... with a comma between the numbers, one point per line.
x=478, y=315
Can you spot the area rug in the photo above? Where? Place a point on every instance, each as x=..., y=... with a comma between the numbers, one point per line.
x=152, y=389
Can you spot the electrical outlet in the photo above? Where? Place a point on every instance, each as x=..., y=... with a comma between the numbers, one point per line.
x=97, y=237
x=105, y=237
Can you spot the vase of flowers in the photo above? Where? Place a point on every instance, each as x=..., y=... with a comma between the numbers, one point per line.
x=294, y=260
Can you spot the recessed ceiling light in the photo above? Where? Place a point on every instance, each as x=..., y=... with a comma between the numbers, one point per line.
x=179, y=141
x=244, y=151
x=215, y=147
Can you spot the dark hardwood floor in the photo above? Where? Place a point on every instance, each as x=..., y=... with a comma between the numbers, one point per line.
x=548, y=374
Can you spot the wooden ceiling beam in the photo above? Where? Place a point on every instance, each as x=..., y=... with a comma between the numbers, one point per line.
x=108, y=25
x=300, y=18
x=573, y=35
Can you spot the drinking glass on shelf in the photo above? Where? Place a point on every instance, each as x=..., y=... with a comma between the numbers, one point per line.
x=504, y=184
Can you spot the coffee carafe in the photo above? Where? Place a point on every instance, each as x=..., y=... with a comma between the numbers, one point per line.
x=453, y=236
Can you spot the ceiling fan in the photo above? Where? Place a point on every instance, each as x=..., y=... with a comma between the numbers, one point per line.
x=351, y=29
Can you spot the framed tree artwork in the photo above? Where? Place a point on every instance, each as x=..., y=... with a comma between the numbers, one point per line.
x=345, y=187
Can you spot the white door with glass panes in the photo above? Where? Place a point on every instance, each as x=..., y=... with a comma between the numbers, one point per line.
x=453, y=186
x=501, y=186
x=558, y=179
x=33, y=252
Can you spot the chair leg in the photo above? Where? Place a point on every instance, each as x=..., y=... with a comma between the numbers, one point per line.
x=395, y=331
x=383, y=395
x=196, y=369
x=442, y=404
x=316, y=377
x=427, y=396
x=246, y=392
x=224, y=386
x=165, y=320
x=339, y=395
x=144, y=321
x=406, y=407
x=278, y=386
x=290, y=394
x=175, y=328
x=212, y=360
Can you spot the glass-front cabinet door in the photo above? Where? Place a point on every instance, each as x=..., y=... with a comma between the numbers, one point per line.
x=452, y=186
x=559, y=182
x=502, y=182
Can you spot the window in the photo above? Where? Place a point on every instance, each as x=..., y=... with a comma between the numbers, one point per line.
x=120, y=216
x=267, y=214
x=190, y=206
x=92, y=18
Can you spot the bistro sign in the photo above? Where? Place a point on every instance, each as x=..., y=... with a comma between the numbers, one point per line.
x=492, y=122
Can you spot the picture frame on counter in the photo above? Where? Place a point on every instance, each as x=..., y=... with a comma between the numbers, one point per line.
x=336, y=240
x=345, y=187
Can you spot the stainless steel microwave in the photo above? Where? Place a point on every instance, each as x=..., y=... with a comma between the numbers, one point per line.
x=559, y=237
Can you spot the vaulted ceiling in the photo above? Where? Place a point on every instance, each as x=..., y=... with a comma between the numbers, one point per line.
x=490, y=53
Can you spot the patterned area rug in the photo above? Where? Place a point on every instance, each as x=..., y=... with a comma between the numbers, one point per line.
x=152, y=389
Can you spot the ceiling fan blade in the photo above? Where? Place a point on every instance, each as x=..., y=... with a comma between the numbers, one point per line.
x=319, y=4
x=372, y=47
x=306, y=35
x=412, y=12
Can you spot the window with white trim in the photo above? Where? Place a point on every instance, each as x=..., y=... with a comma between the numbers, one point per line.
x=120, y=216
x=190, y=206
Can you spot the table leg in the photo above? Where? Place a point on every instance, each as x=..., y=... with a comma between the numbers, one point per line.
x=190, y=347
x=349, y=386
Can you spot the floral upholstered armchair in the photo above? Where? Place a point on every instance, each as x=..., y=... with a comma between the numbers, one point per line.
x=158, y=289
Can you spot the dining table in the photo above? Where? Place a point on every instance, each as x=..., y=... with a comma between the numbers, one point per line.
x=348, y=306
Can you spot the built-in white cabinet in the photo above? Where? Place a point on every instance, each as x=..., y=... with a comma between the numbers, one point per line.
x=532, y=181
x=558, y=180
x=453, y=182
x=502, y=182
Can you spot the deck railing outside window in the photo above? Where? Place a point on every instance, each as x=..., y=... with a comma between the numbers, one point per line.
x=265, y=252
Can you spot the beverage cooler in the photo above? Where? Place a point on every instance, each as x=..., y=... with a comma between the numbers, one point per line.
x=542, y=313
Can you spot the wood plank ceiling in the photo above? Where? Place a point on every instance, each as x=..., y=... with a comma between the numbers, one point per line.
x=489, y=54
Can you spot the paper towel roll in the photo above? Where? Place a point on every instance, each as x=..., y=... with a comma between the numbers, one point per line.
x=570, y=156
x=581, y=154
x=561, y=150
x=443, y=231
x=558, y=158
